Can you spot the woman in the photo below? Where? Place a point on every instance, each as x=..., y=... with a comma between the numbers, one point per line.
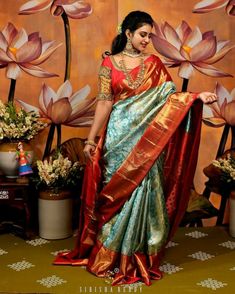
x=138, y=177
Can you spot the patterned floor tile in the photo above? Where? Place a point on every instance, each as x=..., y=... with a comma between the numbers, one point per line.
x=169, y=268
x=37, y=242
x=200, y=255
x=212, y=284
x=132, y=288
x=196, y=234
x=232, y=268
x=228, y=244
x=171, y=244
x=2, y=252
x=51, y=281
x=20, y=265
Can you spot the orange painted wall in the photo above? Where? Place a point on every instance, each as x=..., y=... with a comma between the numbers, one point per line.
x=92, y=35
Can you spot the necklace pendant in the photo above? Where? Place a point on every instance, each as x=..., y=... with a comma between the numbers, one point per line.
x=134, y=84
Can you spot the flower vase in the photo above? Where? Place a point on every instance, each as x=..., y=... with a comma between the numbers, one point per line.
x=232, y=213
x=55, y=214
x=9, y=164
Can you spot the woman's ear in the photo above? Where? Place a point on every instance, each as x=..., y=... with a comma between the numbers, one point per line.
x=128, y=33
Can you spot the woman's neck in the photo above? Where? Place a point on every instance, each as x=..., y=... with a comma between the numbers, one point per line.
x=132, y=52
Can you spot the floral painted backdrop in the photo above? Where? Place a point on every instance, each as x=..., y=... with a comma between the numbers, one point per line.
x=45, y=25
x=196, y=40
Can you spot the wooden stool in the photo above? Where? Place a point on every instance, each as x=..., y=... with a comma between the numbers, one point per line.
x=16, y=204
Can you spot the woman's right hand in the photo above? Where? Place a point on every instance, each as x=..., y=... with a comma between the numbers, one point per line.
x=89, y=151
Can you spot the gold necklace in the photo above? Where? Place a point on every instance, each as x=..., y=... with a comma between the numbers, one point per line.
x=133, y=84
x=131, y=52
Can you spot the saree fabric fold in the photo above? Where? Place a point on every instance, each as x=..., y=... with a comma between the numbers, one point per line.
x=136, y=189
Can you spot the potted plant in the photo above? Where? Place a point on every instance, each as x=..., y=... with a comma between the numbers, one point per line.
x=55, y=179
x=16, y=125
x=225, y=166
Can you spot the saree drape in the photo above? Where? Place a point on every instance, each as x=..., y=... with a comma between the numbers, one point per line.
x=136, y=189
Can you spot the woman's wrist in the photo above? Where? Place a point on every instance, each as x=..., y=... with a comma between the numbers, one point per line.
x=90, y=142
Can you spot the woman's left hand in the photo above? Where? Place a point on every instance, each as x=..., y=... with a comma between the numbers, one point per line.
x=207, y=97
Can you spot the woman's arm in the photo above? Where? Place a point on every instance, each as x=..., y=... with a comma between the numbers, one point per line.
x=103, y=106
x=102, y=111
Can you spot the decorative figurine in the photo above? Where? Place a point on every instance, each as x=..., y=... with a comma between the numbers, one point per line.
x=23, y=156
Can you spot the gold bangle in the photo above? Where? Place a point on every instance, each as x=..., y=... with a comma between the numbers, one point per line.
x=90, y=142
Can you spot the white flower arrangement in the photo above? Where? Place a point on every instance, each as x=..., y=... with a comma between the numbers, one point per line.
x=58, y=172
x=227, y=167
x=18, y=124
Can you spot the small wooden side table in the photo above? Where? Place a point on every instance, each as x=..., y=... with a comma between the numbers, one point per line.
x=216, y=185
x=16, y=205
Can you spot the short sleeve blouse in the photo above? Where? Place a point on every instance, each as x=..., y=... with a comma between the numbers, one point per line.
x=105, y=91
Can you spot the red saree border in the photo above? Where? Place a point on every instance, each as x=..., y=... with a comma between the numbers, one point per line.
x=131, y=269
x=102, y=262
x=182, y=149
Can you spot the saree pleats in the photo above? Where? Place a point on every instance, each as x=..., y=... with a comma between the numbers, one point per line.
x=136, y=189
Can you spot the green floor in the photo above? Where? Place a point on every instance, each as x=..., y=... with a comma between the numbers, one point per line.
x=199, y=260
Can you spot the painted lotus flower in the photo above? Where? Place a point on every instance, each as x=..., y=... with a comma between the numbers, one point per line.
x=190, y=49
x=210, y=5
x=73, y=9
x=20, y=51
x=222, y=111
x=64, y=106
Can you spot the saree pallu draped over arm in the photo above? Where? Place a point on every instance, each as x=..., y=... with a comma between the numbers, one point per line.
x=136, y=189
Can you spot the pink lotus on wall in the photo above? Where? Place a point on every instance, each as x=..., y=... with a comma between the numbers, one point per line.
x=66, y=9
x=190, y=49
x=20, y=51
x=73, y=9
x=64, y=106
x=210, y=5
x=222, y=111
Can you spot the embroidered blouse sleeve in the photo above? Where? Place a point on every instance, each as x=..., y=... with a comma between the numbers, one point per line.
x=104, y=81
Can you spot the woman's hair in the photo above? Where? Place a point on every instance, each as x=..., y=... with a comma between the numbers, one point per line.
x=132, y=21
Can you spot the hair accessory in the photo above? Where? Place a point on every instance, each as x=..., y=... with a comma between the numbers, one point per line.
x=119, y=29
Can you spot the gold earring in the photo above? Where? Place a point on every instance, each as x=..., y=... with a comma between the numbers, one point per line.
x=129, y=44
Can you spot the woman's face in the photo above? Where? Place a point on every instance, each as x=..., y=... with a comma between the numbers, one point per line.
x=141, y=37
